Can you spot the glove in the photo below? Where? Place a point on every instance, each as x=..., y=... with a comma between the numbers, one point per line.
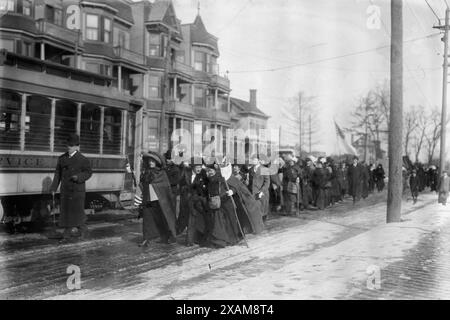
x=230, y=193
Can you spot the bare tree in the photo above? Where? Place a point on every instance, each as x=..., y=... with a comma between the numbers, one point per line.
x=434, y=133
x=410, y=124
x=423, y=124
x=308, y=118
x=370, y=118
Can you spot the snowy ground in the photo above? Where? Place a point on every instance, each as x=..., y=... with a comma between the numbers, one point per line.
x=328, y=254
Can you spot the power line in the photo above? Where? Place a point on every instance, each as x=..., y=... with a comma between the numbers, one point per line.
x=332, y=58
x=437, y=17
x=407, y=66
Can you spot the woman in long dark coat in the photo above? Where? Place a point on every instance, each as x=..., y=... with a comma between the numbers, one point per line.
x=226, y=226
x=365, y=181
x=222, y=226
x=158, y=201
x=379, y=177
x=320, y=178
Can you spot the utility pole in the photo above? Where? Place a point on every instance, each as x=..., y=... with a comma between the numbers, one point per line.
x=310, y=133
x=165, y=96
x=444, y=94
x=395, y=185
x=300, y=123
x=365, y=134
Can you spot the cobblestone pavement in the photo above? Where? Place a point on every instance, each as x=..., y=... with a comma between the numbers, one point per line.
x=322, y=255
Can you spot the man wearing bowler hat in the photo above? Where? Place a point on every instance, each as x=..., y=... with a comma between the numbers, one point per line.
x=72, y=171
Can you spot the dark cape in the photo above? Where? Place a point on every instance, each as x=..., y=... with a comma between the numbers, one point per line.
x=248, y=209
x=160, y=182
x=225, y=227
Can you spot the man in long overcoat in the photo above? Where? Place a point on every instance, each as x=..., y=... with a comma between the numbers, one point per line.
x=258, y=184
x=355, y=179
x=72, y=171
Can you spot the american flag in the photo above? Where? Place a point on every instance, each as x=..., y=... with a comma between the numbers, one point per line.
x=343, y=147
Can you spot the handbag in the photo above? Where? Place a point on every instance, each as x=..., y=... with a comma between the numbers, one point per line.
x=292, y=187
x=214, y=201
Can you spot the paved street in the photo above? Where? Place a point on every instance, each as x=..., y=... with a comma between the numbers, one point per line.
x=322, y=255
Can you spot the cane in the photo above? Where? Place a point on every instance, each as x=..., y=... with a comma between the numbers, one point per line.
x=235, y=213
x=298, y=199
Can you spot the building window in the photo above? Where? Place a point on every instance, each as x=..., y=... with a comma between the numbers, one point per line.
x=179, y=56
x=6, y=5
x=199, y=97
x=10, y=110
x=105, y=70
x=154, y=85
x=106, y=30
x=27, y=49
x=90, y=129
x=37, y=130
x=65, y=123
x=199, y=61
x=93, y=67
x=7, y=44
x=152, y=134
x=213, y=66
x=154, y=44
x=121, y=38
x=112, y=131
x=53, y=15
x=26, y=7
x=91, y=27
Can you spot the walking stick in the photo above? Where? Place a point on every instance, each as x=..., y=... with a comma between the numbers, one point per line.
x=235, y=213
x=298, y=199
x=53, y=210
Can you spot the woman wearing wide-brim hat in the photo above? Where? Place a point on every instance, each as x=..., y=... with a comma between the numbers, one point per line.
x=158, y=201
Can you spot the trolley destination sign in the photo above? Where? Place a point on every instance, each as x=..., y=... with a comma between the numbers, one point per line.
x=12, y=161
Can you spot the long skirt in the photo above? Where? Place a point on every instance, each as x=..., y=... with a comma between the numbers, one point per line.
x=225, y=230
x=321, y=199
x=443, y=195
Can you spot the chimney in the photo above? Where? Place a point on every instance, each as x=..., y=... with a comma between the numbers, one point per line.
x=253, y=98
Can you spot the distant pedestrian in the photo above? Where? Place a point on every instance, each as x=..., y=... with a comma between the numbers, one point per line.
x=443, y=188
x=355, y=176
x=72, y=171
x=414, y=185
x=379, y=175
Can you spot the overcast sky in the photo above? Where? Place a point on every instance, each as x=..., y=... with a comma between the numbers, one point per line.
x=256, y=36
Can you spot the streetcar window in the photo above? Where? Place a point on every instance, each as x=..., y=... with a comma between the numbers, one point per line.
x=90, y=129
x=112, y=131
x=37, y=123
x=65, y=123
x=10, y=109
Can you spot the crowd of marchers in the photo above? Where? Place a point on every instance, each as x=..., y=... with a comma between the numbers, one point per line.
x=217, y=204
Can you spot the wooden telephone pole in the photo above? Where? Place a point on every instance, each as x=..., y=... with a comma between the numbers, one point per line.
x=442, y=156
x=300, y=123
x=395, y=185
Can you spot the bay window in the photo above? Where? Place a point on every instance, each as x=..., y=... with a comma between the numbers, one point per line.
x=7, y=5
x=92, y=27
x=106, y=30
x=154, y=44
